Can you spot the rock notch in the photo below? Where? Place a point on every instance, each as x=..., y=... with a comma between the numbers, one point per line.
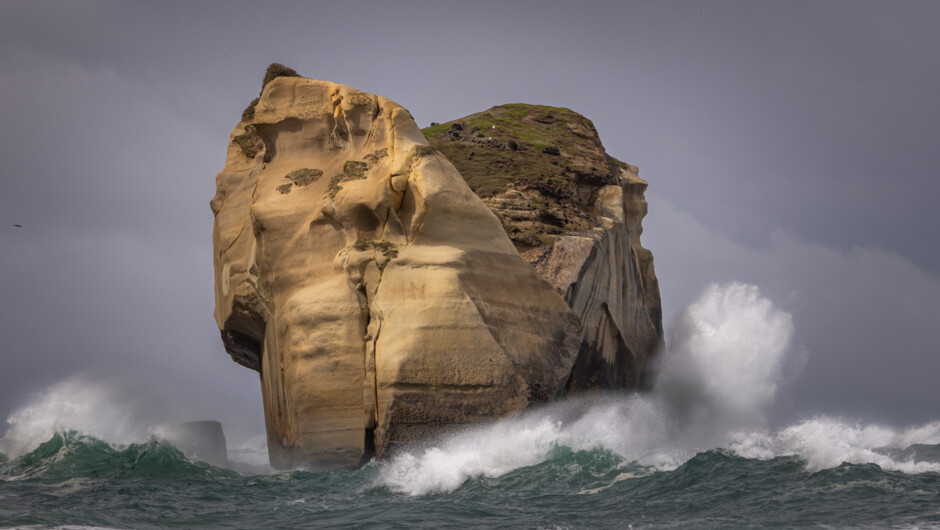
x=380, y=298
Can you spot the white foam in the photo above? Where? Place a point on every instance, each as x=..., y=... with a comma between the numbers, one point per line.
x=722, y=371
x=824, y=442
x=94, y=406
x=725, y=358
x=111, y=410
x=724, y=367
x=488, y=451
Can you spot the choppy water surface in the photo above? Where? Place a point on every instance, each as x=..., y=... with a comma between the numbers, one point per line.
x=694, y=453
x=71, y=480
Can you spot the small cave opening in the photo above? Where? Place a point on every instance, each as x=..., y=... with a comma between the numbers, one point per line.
x=364, y=219
x=368, y=452
x=243, y=349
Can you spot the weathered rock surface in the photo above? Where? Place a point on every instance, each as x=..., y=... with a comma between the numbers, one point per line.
x=377, y=296
x=574, y=213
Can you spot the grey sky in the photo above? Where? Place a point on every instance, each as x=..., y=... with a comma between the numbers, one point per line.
x=793, y=145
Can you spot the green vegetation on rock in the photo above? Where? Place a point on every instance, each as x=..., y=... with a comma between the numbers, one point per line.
x=249, y=113
x=490, y=163
x=276, y=70
x=249, y=142
x=373, y=157
x=305, y=176
x=387, y=248
x=517, y=157
x=435, y=130
x=352, y=170
x=273, y=71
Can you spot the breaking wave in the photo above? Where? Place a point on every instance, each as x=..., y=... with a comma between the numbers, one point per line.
x=730, y=353
x=86, y=407
x=728, y=356
x=102, y=408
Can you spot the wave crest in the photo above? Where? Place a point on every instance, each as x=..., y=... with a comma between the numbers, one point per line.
x=727, y=359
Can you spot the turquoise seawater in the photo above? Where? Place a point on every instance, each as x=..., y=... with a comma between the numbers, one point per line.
x=697, y=451
x=77, y=480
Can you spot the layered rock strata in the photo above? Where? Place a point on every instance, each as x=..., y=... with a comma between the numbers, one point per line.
x=377, y=296
x=574, y=213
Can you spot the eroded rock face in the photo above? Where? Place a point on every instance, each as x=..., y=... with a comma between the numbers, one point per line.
x=607, y=278
x=377, y=296
x=574, y=213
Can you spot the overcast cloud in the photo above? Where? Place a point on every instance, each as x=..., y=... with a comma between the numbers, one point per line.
x=791, y=145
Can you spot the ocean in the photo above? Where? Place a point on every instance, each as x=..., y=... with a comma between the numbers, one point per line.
x=695, y=452
x=77, y=481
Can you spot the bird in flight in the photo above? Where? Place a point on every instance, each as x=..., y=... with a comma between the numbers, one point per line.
x=17, y=226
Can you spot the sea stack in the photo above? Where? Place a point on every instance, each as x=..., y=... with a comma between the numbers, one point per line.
x=202, y=440
x=574, y=213
x=382, y=301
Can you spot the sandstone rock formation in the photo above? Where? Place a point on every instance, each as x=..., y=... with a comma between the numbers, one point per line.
x=574, y=213
x=374, y=292
x=382, y=300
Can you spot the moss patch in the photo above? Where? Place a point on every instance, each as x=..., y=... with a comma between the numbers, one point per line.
x=249, y=113
x=249, y=142
x=352, y=170
x=273, y=71
x=373, y=157
x=304, y=177
x=284, y=188
x=276, y=70
x=388, y=249
x=355, y=168
x=424, y=150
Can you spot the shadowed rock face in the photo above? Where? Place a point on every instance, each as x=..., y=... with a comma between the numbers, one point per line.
x=377, y=296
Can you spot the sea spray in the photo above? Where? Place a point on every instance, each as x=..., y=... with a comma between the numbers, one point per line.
x=725, y=359
x=101, y=407
x=488, y=451
x=824, y=442
x=704, y=460
x=720, y=373
x=700, y=404
x=728, y=355
x=111, y=410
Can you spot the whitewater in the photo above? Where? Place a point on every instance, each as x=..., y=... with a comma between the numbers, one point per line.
x=695, y=452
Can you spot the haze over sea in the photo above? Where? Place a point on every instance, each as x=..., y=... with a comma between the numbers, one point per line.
x=696, y=452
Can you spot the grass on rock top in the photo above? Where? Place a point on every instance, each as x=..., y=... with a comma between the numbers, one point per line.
x=479, y=146
x=539, y=169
